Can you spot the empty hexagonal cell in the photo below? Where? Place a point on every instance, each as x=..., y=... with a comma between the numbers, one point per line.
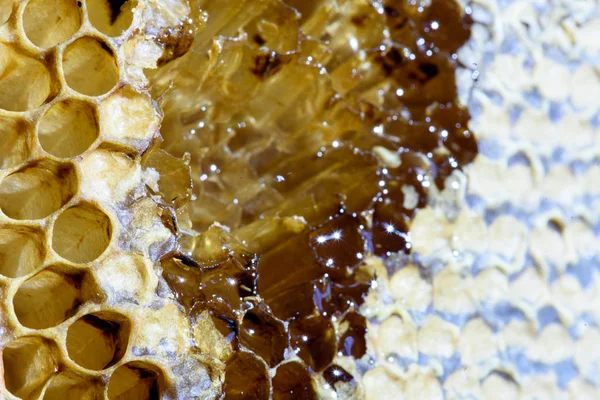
x=68, y=128
x=292, y=381
x=68, y=385
x=246, y=377
x=6, y=9
x=37, y=190
x=25, y=82
x=22, y=250
x=28, y=364
x=81, y=233
x=135, y=381
x=14, y=146
x=50, y=22
x=97, y=341
x=90, y=67
x=111, y=17
x=51, y=296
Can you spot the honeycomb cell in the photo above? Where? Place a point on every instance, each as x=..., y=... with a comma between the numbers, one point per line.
x=37, y=190
x=111, y=17
x=264, y=335
x=81, y=233
x=22, y=250
x=138, y=281
x=129, y=116
x=71, y=386
x=6, y=8
x=292, y=294
x=293, y=382
x=209, y=337
x=14, y=147
x=25, y=83
x=352, y=343
x=246, y=377
x=339, y=245
x=223, y=283
x=51, y=296
x=306, y=8
x=28, y=364
x=97, y=341
x=68, y=128
x=313, y=339
x=336, y=375
x=98, y=180
x=175, y=183
x=90, y=67
x=135, y=381
x=50, y=22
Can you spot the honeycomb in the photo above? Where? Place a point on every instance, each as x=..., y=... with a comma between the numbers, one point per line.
x=314, y=132
x=135, y=266
x=210, y=199
x=79, y=234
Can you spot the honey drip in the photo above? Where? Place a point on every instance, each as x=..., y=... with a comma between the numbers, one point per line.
x=315, y=134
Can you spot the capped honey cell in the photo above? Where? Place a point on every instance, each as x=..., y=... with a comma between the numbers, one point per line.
x=293, y=381
x=246, y=377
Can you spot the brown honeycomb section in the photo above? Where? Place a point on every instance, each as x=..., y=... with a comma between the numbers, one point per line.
x=314, y=341
x=246, y=377
x=81, y=233
x=37, y=190
x=293, y=381
x=48, y=23
x=264, y=335
x=68, y=128
x=98, y=341
x=315, y=137
x=89, y=66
